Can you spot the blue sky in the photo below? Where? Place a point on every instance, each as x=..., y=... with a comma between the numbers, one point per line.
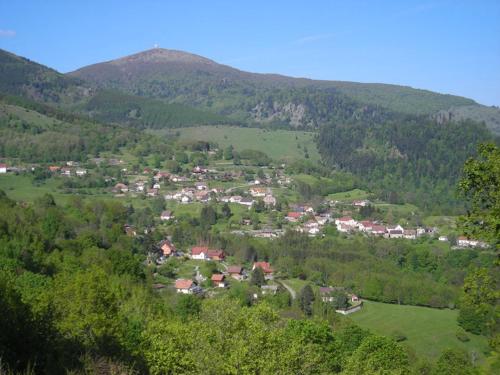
x=449, y=46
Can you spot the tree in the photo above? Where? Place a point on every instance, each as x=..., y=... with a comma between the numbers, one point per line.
x=187, y=306
x=454, y=361
x=478, y=307
x=340, y=299
x=480, y=186
x=228, y=152
x=306, y=299
x=226, y=211
x=257, y=277
x=378, y=355
x=208, y=216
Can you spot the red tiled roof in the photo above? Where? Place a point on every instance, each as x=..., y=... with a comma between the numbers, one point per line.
x=345, y=218
x=217, y=277
x=215, y=254
x=234, y=269
x=183, y=284
x=294, y=214
x=197, y=250
x=266, y=267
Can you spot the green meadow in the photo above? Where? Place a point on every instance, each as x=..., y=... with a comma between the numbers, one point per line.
x=278, y=144
x=429, y=331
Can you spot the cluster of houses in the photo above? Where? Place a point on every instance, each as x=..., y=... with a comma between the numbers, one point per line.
x=463, y=241
x=71, y=169
x=309, y=222
x=347, y=224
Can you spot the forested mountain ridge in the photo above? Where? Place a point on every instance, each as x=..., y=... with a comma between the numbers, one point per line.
x=24, y=78
x=180, y=77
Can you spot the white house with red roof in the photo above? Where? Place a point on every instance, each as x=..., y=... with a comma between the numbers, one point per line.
x=199, y=252
x=345, y=224
x=3, y=168
x=236, y=272
x=184, y=286
x=218, y=280
x=294, y=216
x=266, y=268
x=167, y=248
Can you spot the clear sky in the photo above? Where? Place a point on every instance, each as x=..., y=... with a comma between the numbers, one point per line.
x=449, y=46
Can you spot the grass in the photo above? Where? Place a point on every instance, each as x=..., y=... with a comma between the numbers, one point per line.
x=21, y=188
x=428, y=331
x=356, y=194
x=277, y=144
x=446, y=224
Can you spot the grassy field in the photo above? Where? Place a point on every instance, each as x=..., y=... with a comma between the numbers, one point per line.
x=347, y=196
x=428, y=331
x=278, y=144
x=21, y=188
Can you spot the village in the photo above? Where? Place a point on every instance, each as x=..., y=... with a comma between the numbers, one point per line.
x=263, y=204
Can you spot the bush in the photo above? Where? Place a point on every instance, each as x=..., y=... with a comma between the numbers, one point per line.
x=462, y=336
x=399, y=336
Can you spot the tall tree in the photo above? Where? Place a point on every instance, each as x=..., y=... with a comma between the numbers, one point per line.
x=306, y=299
x=480, y=185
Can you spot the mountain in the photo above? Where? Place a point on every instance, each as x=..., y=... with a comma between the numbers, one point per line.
x=23, y=77
x=185, y=78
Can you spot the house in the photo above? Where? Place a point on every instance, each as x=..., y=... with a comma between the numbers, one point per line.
x=410, y=234
x=3, y=168
x=152, y=192
x=269, y=289
x=202, y=196
x=199, y=252
x=235, y=199
x=167, y=248
x=130, y=230
x=185, y=199
x=362, y=203
x=463, y=241
x=246, y=202
x=266, y=267
x=120, y=188
x=199, y=169
x=139, y=186
x=166, y=215
x=258, y=192
x=201, y=186
x=269, y=200
x=218, y=280
x=80, y=172
x=378, y=230
x=215, y=255
x=394, y=233
x=294, y=216
x=236, y=272
x=354, y=298
x=365, y=225
x=66, y=171
x=443, y=238
x=184, y=286
x=162, y=176
x=325, y=292
x=54, y=168
x=344, y=223
x=156, y=185
x=395, y=227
